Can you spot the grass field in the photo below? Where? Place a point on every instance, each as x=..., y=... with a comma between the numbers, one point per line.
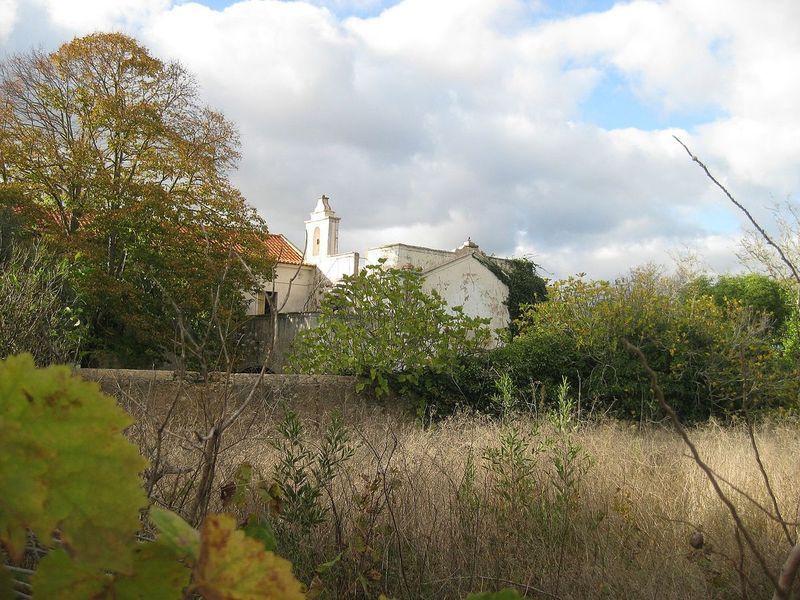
x=600, y=510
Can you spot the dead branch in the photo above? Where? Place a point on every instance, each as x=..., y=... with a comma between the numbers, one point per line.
x=741, y=207
x=710, y=475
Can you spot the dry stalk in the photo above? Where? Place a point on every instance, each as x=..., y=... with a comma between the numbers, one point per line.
x=710, y=475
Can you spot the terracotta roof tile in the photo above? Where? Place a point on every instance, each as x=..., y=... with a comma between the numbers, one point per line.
x=282, y=250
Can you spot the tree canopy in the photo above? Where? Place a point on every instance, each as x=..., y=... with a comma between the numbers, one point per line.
x=114, y=160
x=382, y=326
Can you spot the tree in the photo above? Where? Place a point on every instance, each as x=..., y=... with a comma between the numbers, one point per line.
x=383, y=327
x=762, y=293
x=129, y=173
x=708, y=355
x=37, y=307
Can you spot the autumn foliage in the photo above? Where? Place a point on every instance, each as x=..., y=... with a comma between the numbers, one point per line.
x=113, y=160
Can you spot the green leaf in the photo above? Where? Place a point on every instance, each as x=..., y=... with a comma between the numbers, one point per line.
x=260, y=529
x=327, y=566
x=242, y=478
x=58, y=576
x=158, y=575
x=176, y=533
x=233, y=566
x=66, y=464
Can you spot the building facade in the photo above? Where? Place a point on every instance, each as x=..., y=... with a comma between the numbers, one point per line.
x=460, y=276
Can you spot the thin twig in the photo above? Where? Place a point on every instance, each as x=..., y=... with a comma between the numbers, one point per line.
x=743, y=581
x=741, y=207
x=767, y=483
x=788, y=573
x=387, y=496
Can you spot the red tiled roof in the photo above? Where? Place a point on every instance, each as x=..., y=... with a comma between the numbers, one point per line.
x=282, y=250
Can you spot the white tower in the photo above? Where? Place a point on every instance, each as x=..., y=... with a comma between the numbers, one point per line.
x=322, y=232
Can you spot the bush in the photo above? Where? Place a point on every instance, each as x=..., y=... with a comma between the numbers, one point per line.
x=38, y=312
x=710, y=352
x=381, y=326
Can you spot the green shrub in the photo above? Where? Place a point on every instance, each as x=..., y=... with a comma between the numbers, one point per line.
x=381, y=326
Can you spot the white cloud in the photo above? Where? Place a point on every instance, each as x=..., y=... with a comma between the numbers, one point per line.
x=84, y=16
x=433, y=121
x=8, y=16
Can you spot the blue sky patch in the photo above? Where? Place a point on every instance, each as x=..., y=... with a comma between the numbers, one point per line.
x=613, y=104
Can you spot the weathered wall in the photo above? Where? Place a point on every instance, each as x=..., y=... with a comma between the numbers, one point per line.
x=310, y=395
x=402, y=255
x=258, y=333
x=334, y=267
x=468, y=283
x=302, y=296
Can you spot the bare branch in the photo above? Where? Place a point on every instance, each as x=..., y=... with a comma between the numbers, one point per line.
x=712, y=478
x=741, y=207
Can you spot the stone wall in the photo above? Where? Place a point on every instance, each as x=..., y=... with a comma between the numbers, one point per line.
x=258, y=332
x=310, y=395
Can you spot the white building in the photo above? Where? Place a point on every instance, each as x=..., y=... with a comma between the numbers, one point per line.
x=460, y=276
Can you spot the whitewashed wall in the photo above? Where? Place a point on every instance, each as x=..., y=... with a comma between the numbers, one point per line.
x=467, y=282
x=402, y=255
x=303, y=296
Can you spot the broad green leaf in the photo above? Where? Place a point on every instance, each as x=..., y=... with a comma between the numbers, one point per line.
x=233, y=566
x=157, y=575
x=58, y=576
x=66, y=465
x=176, y=533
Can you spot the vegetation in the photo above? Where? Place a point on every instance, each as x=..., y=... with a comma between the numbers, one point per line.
x=40, y=312
x=573, y=508
x=525, y=285
x=72, y=480
x=107, y=155
x=381, y=326
x=715, y=353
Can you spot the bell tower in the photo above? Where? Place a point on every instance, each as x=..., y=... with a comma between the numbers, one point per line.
x=322, y=232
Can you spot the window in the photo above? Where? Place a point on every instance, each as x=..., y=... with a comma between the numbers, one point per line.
x=315, y=243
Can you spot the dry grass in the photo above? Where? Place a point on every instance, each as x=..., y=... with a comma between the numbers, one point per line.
x=414, y=523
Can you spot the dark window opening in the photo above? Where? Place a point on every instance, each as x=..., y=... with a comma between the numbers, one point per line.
x=270, y=301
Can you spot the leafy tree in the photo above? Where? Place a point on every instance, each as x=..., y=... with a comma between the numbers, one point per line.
x=760, y=292
x=383, y=327
x=125, y=173
x=38, y=310
x=708, y=356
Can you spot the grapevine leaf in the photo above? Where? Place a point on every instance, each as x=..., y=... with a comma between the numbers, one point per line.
x=58, y=576
x=233, y=566
x=158, y=575
x=176, y=533
x=66, y=465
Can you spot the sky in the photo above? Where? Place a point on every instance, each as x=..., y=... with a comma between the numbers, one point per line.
x=537, y=128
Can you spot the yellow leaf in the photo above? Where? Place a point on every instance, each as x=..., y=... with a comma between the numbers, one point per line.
x=233, y=566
